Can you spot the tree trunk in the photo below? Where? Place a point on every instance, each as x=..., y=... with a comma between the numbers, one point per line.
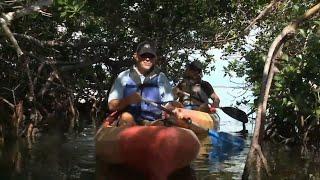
x=255, y=159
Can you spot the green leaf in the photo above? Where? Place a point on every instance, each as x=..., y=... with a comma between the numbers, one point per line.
x=278, y=85
x=303, y=33
x=296, y=7
x=318, y=112
x=285, y=57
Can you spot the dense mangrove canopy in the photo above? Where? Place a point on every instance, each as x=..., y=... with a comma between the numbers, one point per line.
x=55, y=53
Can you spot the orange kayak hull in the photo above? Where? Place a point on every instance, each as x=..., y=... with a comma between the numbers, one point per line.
x=156, y=151
x=201, y=119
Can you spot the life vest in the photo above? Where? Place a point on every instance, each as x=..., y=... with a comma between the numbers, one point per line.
x=196, y=90
x=149, y=89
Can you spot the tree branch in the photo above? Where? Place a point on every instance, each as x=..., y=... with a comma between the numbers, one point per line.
x=8, y=102
x=36, y=7
x=6, y=19
x=10, y=36
x=268, y=74
x=262, y=14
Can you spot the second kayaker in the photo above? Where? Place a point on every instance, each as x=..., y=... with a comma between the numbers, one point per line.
x=193, y=92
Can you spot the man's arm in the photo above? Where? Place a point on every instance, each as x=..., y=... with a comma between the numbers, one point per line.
x=212, y=94
x=116, y=100
x=216, y=99
x=120, y=104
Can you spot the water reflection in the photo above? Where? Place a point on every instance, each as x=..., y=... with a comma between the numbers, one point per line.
x=221, y=162
x=58, y=157
x=120, y=172
x=293, y=162
x=50, y=157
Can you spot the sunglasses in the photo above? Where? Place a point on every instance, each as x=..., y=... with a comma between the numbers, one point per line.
x=147, y=55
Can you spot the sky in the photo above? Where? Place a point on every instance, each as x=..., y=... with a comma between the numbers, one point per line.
x=228, y=96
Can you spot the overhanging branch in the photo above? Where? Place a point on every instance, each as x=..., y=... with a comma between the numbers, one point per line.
x=6, y=19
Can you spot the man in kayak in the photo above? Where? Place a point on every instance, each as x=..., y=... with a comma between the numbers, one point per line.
x=143, y=81
x=193, y=92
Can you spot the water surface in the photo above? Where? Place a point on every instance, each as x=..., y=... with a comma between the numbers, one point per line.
x=73, y=157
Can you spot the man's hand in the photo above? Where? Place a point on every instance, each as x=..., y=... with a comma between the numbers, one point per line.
x=177, y=92
x=204, y=108
x=212, y=108
x=134, y=98
x=172, y=105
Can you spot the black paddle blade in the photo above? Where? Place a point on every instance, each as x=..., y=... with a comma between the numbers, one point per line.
x=235, y=113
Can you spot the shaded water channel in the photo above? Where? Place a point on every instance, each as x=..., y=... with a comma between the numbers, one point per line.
x=53, y=157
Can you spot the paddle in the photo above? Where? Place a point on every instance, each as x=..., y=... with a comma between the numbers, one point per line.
x=217, y=138
x=233, y=112
x=226, y=140
x=162, y=107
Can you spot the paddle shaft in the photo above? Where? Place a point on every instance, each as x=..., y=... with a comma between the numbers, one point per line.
x=160, y=106
x=231, y=111
x=163, y=108
x=220, y=137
